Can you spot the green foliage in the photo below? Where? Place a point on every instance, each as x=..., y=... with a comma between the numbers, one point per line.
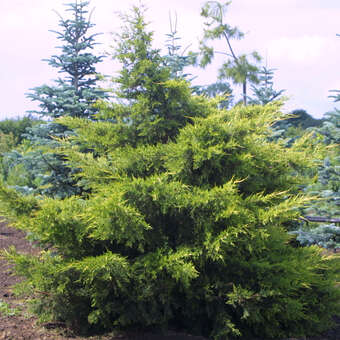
x=188, y=234
x=300, y=118
x=183, y=221
x=151, y=104
x=177, y=59
x=329, y=172
x=139, y=60
x=15, y=206
x=7, y=142
x=325, y=236
x=327, y=187
x=325, y=183
x=35, y=167
x=73, y=95
x=220, y=90
x=6, y=310
x=12, y=134
x=264, y=93
x=236, y=67
x=294, y=125
x=330, y=128
x=14, y=130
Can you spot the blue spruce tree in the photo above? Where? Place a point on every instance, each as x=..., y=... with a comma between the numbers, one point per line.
x=327, y=187
x=73, y=95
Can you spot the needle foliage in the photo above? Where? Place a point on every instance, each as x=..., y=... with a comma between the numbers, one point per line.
x=186, y=235
x=183, y=223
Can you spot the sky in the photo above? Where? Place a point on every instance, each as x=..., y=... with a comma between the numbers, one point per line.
x=295, y=37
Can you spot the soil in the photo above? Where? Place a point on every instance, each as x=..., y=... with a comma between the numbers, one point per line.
x=23, y=326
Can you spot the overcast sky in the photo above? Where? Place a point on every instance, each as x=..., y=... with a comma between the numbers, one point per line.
x=296, y=37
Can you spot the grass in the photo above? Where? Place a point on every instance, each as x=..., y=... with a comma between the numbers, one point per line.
x=6, y=310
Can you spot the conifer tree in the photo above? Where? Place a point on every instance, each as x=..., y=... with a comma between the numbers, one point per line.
x=74, y=95
x=219, y=89
x=238, y=68
x=183, y=228
x=177, y=58
x=151, y=104
x=189, y=234
x=17, y=126
x=327, y=187
x=328, y=184
x=264, y=92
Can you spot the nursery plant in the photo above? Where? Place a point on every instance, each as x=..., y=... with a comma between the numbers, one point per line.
x=183, y=222
x=327, y=187
x=188, y=235
x=74, y=94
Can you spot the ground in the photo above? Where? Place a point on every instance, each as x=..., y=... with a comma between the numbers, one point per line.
x=17, y=324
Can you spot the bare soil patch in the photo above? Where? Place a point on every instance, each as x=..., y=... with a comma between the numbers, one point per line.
x=18, y=324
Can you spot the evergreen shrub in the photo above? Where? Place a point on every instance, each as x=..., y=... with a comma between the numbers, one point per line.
x=327, y=187
x=186, y=235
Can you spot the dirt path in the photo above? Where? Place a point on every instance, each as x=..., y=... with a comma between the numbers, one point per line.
x=14, y=321
x=17, y=324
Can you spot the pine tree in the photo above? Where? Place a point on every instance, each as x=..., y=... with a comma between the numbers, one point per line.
x=73, y=95
x=17, y=126
x=329, y=171
x=327, y=187
x=238, y=68
x=177, y=59
x=264, y=92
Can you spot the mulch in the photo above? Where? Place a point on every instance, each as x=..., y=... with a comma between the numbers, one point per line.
x=23, y=326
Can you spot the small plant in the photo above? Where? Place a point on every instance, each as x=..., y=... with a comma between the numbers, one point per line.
x=6, y=310
x=325, y=236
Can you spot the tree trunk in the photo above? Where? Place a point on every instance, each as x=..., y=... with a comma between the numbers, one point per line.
x=244, y=87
